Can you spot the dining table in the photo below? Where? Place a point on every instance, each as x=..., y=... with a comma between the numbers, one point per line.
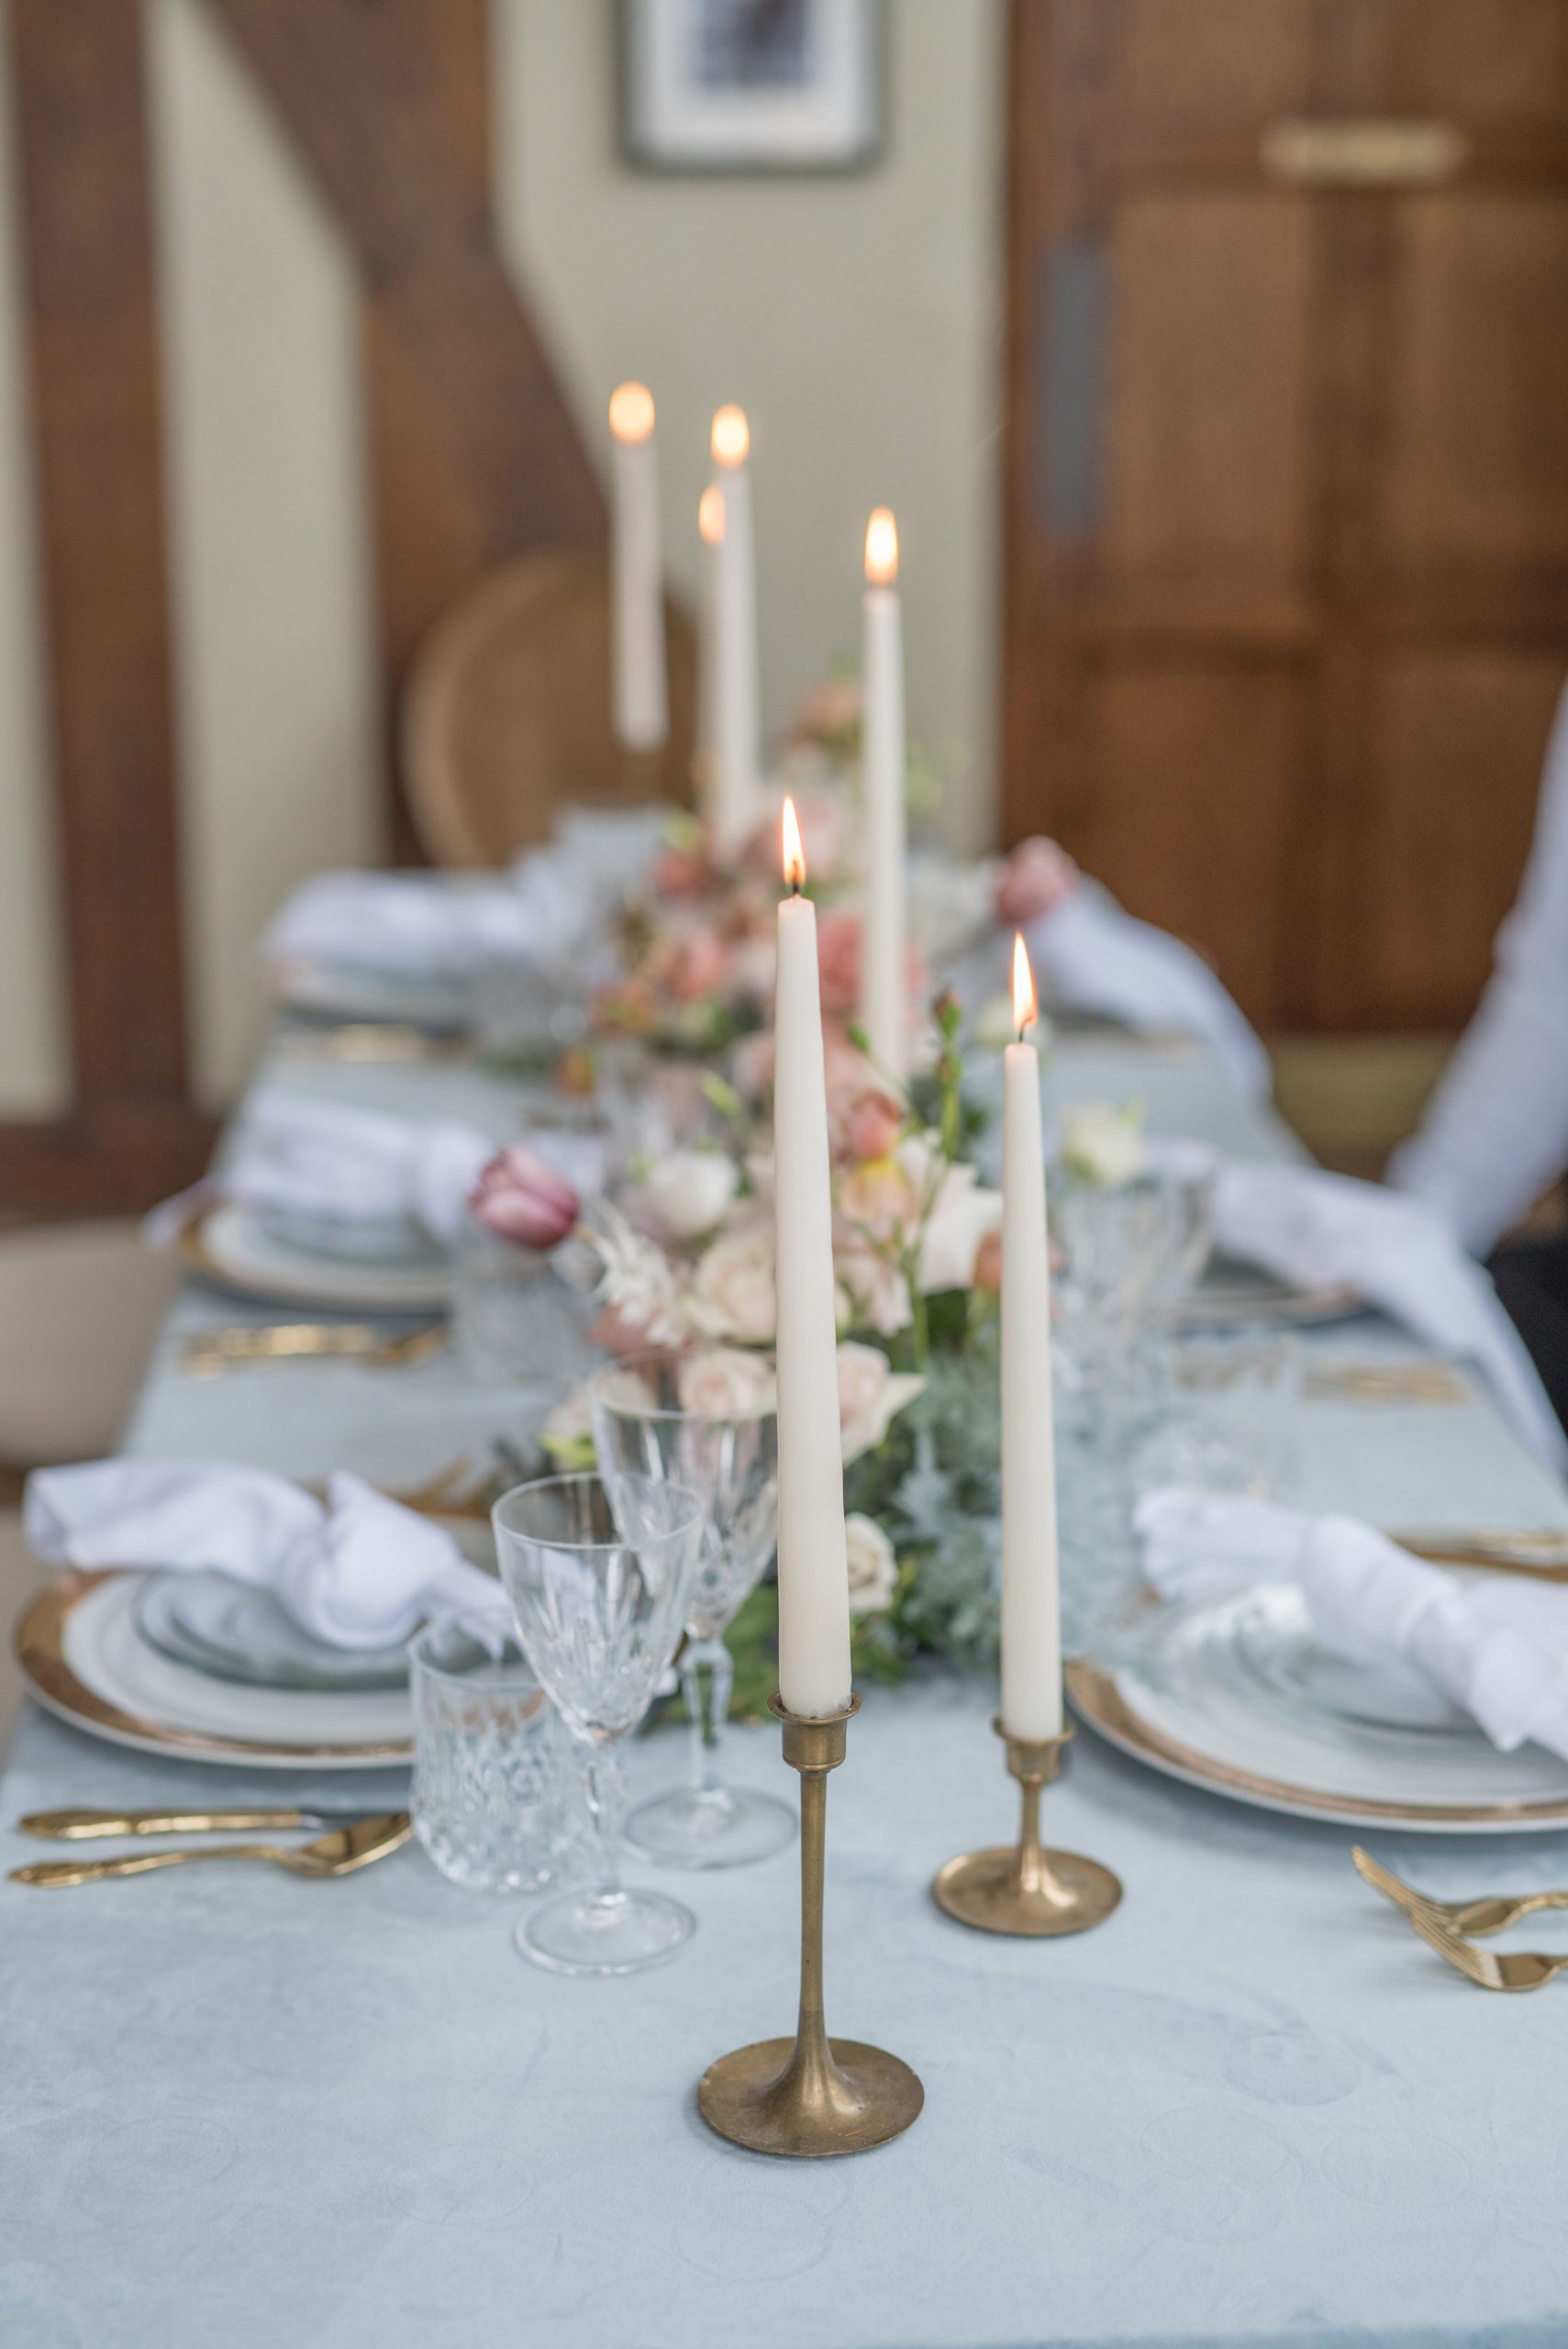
x=1251, y=2107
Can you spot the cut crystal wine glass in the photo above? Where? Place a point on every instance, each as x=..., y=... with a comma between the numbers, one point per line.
x=600, y=1591
x=707, y=1421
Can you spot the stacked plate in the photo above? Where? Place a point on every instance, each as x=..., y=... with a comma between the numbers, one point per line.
x=237, y=1249
x=199, y=1664
x=1235, y=1695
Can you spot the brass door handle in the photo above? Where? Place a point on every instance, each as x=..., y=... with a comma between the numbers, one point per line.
x=1305, y=151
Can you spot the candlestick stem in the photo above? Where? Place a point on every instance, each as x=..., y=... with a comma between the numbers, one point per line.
x=812, y=2095
x=1023, y=1888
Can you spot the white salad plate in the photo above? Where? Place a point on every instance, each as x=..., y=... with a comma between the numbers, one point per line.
x=1234, y=1695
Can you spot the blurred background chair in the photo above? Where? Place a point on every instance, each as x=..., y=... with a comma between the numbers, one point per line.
x=80, y=1308
x=507, y=712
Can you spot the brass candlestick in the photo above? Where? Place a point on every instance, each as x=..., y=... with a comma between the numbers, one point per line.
x=1022, y=1888
x=810, y=2095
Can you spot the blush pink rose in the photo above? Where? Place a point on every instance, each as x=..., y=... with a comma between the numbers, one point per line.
x=874, y=1125
x=521, y=1198
x=839, y=958
x=691, y=966
x=1034, y=881
x=683, y=872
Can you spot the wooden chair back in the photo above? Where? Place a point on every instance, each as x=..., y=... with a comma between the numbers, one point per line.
x=507, y=712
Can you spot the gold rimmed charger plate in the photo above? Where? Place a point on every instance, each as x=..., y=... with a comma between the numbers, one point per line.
x=40, y=1645
x=1097, y=1701
x=334, y=1285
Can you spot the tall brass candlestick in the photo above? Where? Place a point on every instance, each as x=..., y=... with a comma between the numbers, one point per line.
x=1021, y=1887
x=811, y=2095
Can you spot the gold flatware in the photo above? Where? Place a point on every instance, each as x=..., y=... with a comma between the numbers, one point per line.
x=206, y=1350
x=1544, y=1553
x=1516, y=1969
x=1492, y=1913
x=338, y=1854
x=1385, y=1385
x=372, y=1040
x=78, y=1826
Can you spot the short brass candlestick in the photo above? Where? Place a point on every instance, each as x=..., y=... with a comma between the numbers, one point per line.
x=810, y=2095
x=1021, y=1887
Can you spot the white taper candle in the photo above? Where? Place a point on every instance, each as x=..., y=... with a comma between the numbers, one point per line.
x=883, y=1012
x=641, y=709
x=813, y=1579
x=737, y=757
x=1032, y=1614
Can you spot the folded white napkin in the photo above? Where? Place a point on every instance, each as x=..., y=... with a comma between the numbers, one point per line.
x=411, y=923
x=310, y=1156
x=543, y=911
x=358, y=1571
x=1086, y=951
x=1321, y=1231
x=1497, y=1646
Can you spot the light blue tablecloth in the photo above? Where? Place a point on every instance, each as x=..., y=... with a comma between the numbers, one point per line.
x=238, y=2109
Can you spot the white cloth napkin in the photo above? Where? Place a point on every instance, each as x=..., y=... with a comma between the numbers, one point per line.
x=1086, y=951
x=310, y=1156
x=543, y=910
x=358, y=1571
x=1498, y=1647
x=1321, y=1231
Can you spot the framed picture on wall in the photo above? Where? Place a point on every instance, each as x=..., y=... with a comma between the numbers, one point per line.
x=752, y=86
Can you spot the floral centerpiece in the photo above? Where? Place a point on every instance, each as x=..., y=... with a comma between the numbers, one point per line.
x=684, y=1255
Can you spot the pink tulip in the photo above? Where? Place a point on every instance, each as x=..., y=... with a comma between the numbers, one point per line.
x=518, y=1197
x=1034, y=881
x=839, y=958
x=874, y=1125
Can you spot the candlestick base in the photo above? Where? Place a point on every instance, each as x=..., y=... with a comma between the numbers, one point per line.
x=1020, y=1887
x=770, y=2100
x=810, y=2096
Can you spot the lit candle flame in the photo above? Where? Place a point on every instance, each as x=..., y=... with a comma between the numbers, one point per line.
x=631, y=412
x=1026, y=1004
x=793, y=854
x=731, y=439
x=710, y=515
x=882, y=549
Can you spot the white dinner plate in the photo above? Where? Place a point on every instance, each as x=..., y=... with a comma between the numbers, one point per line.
x=81, y=1653
x=1232, y=1295
x=1234, y=1695
x=437, y=999
x=229, y=1246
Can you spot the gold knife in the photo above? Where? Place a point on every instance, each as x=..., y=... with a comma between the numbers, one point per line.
x=77, y=1826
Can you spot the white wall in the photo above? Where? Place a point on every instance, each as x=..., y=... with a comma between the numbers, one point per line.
x=275, y=663
x=857, y=320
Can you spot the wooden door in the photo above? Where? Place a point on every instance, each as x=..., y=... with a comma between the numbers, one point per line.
x=1287, y=528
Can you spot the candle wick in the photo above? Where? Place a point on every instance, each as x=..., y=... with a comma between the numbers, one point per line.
x=795, y=888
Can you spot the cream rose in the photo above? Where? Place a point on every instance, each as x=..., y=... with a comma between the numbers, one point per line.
x=690, y=1191
x=874, y=1569
x=871, y=1396
x=964, y=1214
x=733, y=1293
x=723, y=1383
x=567, y=1433
x=1104, y=1145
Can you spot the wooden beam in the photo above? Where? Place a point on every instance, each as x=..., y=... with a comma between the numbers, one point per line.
x=86, y=242
x=118, y=1158
x=474, y=455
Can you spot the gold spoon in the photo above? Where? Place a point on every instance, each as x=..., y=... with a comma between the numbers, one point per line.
x=338, y=1854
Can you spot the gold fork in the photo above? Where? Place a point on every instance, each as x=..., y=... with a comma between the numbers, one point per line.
x=341, y=1853
x=1492, y=1913
x=206, y=1351
x=1512, y=1970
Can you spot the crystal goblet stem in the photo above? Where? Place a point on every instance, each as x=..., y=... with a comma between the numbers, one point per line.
x=708, y=1710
